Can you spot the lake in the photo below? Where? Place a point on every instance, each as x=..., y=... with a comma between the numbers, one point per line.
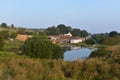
x=74, y=53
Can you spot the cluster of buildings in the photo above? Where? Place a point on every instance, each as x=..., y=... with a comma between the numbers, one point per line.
x=66, y=38
x=63, y=38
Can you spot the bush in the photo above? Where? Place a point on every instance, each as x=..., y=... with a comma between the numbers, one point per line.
x=5, y=34
x=41, y=48
x=99, y=53
x=90, y=41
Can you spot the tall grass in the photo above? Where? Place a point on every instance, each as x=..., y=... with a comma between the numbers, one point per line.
x=14, y=67
x=12, y=46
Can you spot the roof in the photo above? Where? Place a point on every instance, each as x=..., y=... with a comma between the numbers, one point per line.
x=22, y=37
x=68, y=34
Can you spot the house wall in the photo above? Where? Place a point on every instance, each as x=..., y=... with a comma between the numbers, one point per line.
x=76, y=40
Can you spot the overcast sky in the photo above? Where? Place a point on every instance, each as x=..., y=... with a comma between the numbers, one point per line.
x=95, y=16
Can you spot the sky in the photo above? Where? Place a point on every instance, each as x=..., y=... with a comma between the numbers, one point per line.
x=95, y=16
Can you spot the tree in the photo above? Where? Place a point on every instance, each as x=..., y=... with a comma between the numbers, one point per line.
x=4, y=25
x=84, y=33
x=12, y=26
x=99, y=38
x=64, y=29
x=113, y=33
x=90, y=41
x=76, y=32
x=57, y=51
x=1, y=43
x=41, y=48
x=53, y=30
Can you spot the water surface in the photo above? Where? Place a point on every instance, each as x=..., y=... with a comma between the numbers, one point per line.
x=74, y=53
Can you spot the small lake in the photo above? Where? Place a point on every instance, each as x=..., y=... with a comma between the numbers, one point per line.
x=73, y=53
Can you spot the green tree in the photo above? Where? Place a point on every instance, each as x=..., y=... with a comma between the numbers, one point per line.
x=64, y=29
x=41, y=48
x=4, y=25
x=1, y=43
x=113, y=34
x=57, y=51
x=76, y=32
x=99, y=38
x=12, y=26
x=84, y=33
x=90, y=41
x=68, y=29
x=53, y=30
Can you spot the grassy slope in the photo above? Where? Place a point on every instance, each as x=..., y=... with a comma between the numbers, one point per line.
x=11, y=30
x=14, y=67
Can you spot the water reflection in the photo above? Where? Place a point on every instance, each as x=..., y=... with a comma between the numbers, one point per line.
x=73, y=53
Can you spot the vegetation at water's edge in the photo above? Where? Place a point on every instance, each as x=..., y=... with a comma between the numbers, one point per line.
x=37, y=47
x=14, y=67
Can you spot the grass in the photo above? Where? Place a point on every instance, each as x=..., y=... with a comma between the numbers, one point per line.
x=12, y=46
x=9, y=29
x=2, y=29
x=15, y=67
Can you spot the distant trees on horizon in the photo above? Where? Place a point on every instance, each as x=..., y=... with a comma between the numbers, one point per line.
x=63, y=29
x=54, y=30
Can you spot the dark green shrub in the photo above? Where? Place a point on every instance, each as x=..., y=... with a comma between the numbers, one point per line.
x=41, y=48
x=90, y=41
x=99, y=53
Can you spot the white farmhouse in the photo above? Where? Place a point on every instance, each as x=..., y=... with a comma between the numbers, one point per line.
x=77, y=40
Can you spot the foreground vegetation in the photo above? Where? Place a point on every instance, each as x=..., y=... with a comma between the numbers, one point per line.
x=15, y=67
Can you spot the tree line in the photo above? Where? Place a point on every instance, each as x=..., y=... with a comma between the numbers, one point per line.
x=54, y=30
x=63, y=29
x=111, y=38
